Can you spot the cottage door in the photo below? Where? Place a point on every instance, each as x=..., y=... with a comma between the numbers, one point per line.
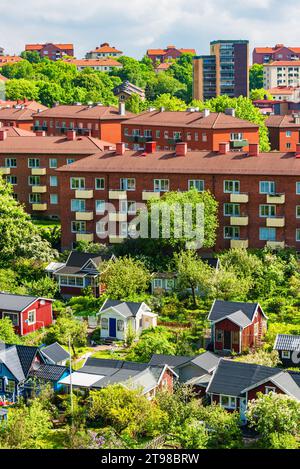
x=243, y=409
x=112, y=328
x=227, y=340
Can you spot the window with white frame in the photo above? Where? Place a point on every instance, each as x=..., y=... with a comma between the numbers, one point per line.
x=34, y=180
x=124, y=229
x=70, y=160
x=101, y=228
x=197, y=184
x=100, y=184
x=166, y=134
x=204, y=137
x=12, y=180
x=236, y=136
x=78, y=205
x=161, y=185
x=128, y=206
x=298, y=234
x=232, y=210
x=14, y=317
x=53, y=199
x=104, y=324
x=157, y=283
x=127, y=184
x=31, y=317
x=77, y=183
x=35, y=198
x=148, y=133
x=231, y=187
x=33, y=162
x=286, y=354
x=78, y=226
x=10, y=162
x=71, y=281
x=53, y=181
x=228, y=402
x=267, y=187
x=53, y=163
x=177, y=135
x=120, y=325
x=298, y=188
x=270, y=389
x=297, y=211
x=267, y=211
x=100, y=206
x=231, y=232
x=288, y=133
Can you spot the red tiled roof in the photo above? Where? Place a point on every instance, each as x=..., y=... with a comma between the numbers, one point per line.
x=17, y=132
x=281, y=90
x=194, y=162
x=284, y=63
x=37, y=47
x=7, y=59
x=106, y=48
x=2, y=78
x=84, y=112
x=19, y=111
x=282, y=121
x=94, y=62
x=164, y=51
x=54, y=145
x=164, y=66
x=216, y=120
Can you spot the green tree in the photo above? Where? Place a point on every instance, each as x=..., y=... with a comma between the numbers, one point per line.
x=193, y=435
x=21, y=89
x=169, y=103
x=45, y=287
x=125, y=278
x=256, y=76
x=66, y=328
x=18, y=235
x=152, y=341
x=261, y=357
x=31, y=56
x=7, y=332
x=135, y=104
x=260, y=93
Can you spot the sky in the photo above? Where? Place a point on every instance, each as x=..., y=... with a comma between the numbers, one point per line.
x=136, y=25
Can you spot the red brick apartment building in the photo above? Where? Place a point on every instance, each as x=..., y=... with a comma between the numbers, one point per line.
x=258, y=194
x=29, y=163
x=50, y=50
x=284, y=132
x=19, y=113
x=171, y=52
x=98, y=121
x=201, y=130
x=262, y=55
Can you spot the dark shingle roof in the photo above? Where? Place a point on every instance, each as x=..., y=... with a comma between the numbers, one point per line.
x=18, y=359
x=223, y=309
x=170, y=360
x=10, y=302
x=287, y=342
x=207, y=361
x=125, y=308
x=48, y=372
x=26, y=355
x=55, y=352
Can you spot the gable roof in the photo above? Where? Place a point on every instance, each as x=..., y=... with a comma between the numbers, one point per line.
x=74, y=111
x=171, y=360
x=17, y=132
x=55, y=353
x=239, y=312
x=286, y=121
x=16, y=303
x=207, y=361
x=129, y=88
x=48, y=372
x=287, y=342
x=77, y=261
x=106, y=49
x=125, y=308
x=19, y=359
x=38, y=47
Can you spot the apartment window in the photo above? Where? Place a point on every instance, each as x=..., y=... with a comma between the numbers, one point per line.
x=53, y=181
x=148, y=133
x=53, y=199
x=100, y=206
x=267, y=187
x=231, y=187
x=288, y=146
x=34, y=180
x=53, y=163
x=78, y=226
x=288, y=133
x=298, y=211
x=298, y=234
x=196, y=136
x=267, y=211
x=161, y=185
x=204, y=137
x=166, y=134
x=77, y=205
x=101, y=228
x=157, y=133
x=232, y=210
x=267, y=234
x=100, y=184
x=77, y=183
x=128, y=206
x=127, y=184
x=189, y=136
x=136, y=132
x=33, y=163
x=298, y=188
x=236, y=136
x=35, y=198
x=177, y=135
x=197, y=184
x=286, y=354
x=228, y=402
x=10, y=162
x=231, y=232
x=70, y=160
x=126, y=132
x=123, y=229
x=11, y=180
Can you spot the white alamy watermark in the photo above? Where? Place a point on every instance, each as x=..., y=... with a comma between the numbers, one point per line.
x=2, y=91
x=163, y=221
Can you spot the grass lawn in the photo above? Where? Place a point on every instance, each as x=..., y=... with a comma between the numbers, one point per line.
x=56, y=439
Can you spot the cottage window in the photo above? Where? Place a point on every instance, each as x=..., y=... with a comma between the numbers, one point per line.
x=270, y=389
x=236, y=136
x=104, y=324
x=31, y=317
x=286, y=354
x=219, y=335
x=14, y=317
x=120, y=326
x=204, y=137
x=170, y=284
x=256, y=325
x=157, y=283
x=10, y=386
x=228, y=402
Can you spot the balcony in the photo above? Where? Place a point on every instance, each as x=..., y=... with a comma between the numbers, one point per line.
x=88, y=237
x=147, y=195
x=238, y=144
x=239, y=221
x=276, y=199
x=39, y=189
x=120, y=217
x=276, y=222
x=275, y=244
x=84, y=216
x=39, y=207
x=117, y=195
x=38, y=171
x=4, y=171
x=84, y=194
x=239, y=243
x=115, y=239
x=239, y=198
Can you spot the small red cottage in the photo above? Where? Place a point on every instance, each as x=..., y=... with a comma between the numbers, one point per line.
x=27, y=313
x=236, y=327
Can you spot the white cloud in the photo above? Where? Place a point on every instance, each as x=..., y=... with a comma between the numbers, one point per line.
x=135, y=25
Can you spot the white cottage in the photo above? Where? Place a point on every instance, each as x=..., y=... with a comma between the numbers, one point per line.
x=117, y=315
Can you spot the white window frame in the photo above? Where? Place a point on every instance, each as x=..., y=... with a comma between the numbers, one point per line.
x=193, y=183
x=231, y=402
x=81, y=185
x=32, y=321
x=270, y=389
x=286, y=354
x=101, y=184
x=99, y=202
x=159, y=183
x=269, y=191
x=236, y=186
x=127, y=184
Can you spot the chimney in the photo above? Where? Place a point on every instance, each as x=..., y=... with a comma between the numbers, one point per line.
x=150, y=147
x=206, y=112
x=120, y=148
x=297, y=154
x=71, y=135
x=122, y=110
x=40, y=133
x=181, y=149
x=3, y=135
x=253, y=149
x=223, y=148
x=296, y=118
x=230, y=111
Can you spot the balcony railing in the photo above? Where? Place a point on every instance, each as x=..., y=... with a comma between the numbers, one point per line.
x=275, y=222
x=39, y=189
x=239, y=198
x=147, y=195
x=84, y=194
x=239, y=143
x=276, y=244
x=239, y=243
x=84, y=216
x=38, y=171
x=89, y=237
x=39, y=207
x=276, y=199
x=239, y=221
x=117, y=195
x=4, y=171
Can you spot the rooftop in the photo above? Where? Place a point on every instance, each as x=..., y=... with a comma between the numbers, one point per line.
x=94, y=62
x=37, y=47
x=284, y=63
x=81, y=111
x=287, y=120
x=106, y=49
